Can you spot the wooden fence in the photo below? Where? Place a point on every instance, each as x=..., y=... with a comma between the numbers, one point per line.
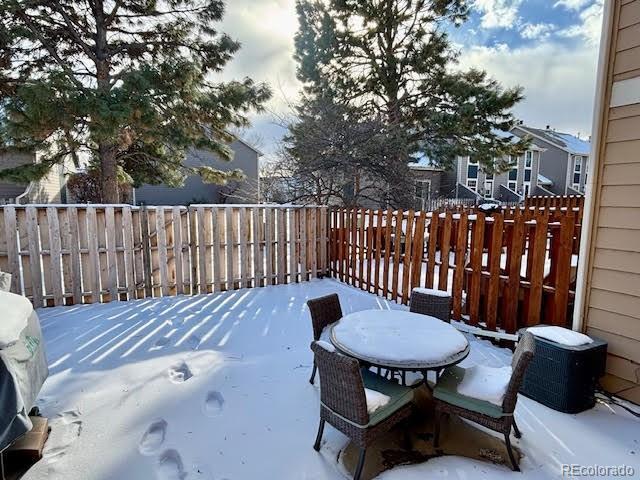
x=504, y=271
x=555, y=201
x=64, y=255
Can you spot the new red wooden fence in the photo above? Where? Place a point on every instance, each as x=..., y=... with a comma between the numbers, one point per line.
x=505, y=271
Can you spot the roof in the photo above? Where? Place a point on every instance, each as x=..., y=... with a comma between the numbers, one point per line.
x=542, y=180
x=565, y=141
x=422, y=162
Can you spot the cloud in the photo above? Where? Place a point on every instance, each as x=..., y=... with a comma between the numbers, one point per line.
x=591, y=24
x=536, y=30
x=498, y=13
x=266, y=31
x=558, y=80
x=571, y=4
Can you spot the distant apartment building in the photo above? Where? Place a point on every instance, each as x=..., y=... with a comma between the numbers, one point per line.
x=564, y=165
x=554, y=164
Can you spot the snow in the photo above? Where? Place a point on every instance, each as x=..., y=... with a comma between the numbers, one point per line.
x=248, y=410
x=398, y=339
x=485, y=383
x=431, y=291
x=375, y=400
x=542, y=180
x=326, y=345
x=574, y=144
x=15, y=314
x=561, y=335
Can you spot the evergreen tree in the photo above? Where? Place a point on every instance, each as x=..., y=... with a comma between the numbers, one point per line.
x=393, y=59
x=129, y=83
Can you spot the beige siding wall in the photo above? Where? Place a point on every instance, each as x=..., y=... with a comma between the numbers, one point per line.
x=49, y=189
x=612, y=306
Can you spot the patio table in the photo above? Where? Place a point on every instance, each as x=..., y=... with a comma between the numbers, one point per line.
x=399, y=340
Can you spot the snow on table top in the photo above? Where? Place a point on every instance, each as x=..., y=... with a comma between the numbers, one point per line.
x=561, y=335
x=399, y=339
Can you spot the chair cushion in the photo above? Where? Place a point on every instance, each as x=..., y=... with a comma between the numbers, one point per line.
x=447, y=391
x=399, y=395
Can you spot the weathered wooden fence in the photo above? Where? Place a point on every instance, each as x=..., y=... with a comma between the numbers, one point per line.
x=504, y=271
x=63, y=255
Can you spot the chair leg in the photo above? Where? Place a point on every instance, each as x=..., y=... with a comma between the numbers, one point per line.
x=358, y=472
x=316, y=446
x=516, y=430
x=313, y=373
x=515, y=466
x=436, y=434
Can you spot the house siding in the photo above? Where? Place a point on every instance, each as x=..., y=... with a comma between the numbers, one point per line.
x=612, y=295
x=553, y=163
x=196, y=191
x=502, y=178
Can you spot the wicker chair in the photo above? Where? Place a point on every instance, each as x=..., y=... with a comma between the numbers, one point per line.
x=435, y=303
x=343, y=402
x=499, y=419
x=324, y=311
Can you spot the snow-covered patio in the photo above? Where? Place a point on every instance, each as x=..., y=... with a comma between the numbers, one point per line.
x=216, y=387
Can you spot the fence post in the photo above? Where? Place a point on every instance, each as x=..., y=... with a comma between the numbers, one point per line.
x=146, y=251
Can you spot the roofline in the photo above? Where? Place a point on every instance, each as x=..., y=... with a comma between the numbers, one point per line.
x=425, y=167
x=248, y=145
x=568, y=150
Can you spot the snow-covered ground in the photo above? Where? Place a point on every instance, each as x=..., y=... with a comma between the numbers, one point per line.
x=216, y=387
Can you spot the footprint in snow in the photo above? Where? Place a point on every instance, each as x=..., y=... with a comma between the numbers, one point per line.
x=65, y=430
x=162, y=342
x=180, y=373
x=153, y=438
x=213, y=404
x=194, y=342
x=170, y=466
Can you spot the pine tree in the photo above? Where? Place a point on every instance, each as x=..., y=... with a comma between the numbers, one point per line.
x=131, y=84
x=393, y=59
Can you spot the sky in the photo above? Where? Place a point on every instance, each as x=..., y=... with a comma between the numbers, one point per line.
x=549, y=47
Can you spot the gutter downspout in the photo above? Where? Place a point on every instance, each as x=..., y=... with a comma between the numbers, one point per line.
x=591, y=191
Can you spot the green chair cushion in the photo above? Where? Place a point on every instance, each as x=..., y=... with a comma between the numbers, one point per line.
x=447, y=391
x=399, y=395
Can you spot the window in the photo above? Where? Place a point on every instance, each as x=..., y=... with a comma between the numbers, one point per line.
x=513, y=186
x=472, y=184
x=488, y=189
x=528, y=165
x=472, y=168
x=577, y=170
x=527, y=188
x=513, y=174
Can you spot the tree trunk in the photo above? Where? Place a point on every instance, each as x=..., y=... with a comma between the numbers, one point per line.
x=109, y=174
x=107, y=149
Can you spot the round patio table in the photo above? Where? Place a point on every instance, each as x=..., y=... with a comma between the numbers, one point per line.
x=399, y=340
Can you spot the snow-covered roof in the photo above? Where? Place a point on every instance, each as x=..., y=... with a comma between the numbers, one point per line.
x=566, y=141
x=542, y=180
x=423, y=162
x=574, y=144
